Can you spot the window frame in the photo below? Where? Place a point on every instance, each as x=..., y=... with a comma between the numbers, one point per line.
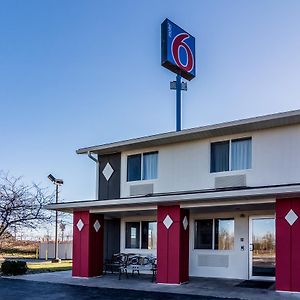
x=140, y=234
x=230, y=154
x=213, y=248
x=142, y=165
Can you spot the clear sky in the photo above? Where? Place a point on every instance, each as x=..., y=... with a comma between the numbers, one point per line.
x=81, y=73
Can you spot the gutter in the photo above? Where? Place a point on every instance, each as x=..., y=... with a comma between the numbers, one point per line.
x=97, y=173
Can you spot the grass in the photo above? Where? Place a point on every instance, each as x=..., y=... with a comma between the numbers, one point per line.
x=15, y=248
x=48, y=266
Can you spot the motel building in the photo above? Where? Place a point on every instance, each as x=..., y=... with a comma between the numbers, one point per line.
x=217, y=201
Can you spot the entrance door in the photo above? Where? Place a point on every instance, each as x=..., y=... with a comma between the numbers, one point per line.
x=262, y=247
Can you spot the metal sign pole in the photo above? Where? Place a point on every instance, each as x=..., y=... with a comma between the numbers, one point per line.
x=178, y=102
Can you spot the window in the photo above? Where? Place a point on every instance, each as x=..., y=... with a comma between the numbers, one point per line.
x=214, y=234
x=150, y=165
x=147, y=236
x=241, y=154
x=203, y=234
x=142, y=166
x=132, y=235
x=219, y=157
x=231, y=155
x=134, y=167
x=224, y=234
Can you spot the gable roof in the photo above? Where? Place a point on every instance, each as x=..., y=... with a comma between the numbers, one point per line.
x=198, y=133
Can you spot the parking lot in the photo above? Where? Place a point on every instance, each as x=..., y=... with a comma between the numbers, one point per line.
x=33, y=290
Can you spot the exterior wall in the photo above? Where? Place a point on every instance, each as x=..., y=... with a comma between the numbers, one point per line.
x=238, y=266
x=238, y=259
x=111, y=237
x=186, y=166
x=109, y=189
x=234, y=269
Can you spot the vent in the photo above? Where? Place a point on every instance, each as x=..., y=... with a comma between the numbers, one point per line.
x=216, y=261
x=230, y=181
x=141, y=189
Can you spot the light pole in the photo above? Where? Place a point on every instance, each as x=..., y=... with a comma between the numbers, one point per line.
x=57, y=183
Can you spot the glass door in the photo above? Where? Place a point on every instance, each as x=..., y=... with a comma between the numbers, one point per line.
x=262, y=247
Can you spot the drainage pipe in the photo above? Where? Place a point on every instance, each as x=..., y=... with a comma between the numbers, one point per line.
x=97, y=172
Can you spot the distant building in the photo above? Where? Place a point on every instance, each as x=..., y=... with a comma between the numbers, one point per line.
x=202, y=200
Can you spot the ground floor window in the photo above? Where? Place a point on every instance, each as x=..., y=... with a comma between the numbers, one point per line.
x=141, y=235
x=214, y=234
x=132, y=235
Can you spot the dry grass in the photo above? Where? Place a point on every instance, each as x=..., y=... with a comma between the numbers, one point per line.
x=20, y=249
x=48, y=266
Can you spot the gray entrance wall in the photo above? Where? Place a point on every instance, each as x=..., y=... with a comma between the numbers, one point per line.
x=111, y=238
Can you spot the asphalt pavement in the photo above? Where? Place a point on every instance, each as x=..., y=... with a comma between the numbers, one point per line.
x=32, y=290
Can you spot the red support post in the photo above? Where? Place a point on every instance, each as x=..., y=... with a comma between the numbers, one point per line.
x=288, y=244
x=172, y=244
x=87, y=244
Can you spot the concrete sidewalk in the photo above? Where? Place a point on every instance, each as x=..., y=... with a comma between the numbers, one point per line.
x=196, y=286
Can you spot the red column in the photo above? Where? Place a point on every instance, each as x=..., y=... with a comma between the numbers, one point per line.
x=288, y=244
x=87, y=244
x=172, y=244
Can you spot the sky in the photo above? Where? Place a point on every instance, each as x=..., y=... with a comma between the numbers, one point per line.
x=81, y=73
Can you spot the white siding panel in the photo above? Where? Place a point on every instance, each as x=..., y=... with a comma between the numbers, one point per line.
x=186, y=166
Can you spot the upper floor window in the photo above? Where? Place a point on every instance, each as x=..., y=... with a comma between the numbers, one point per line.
x=231, y=155
x=142, y=166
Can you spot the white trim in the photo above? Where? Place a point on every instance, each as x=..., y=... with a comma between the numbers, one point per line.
x=287, y=292
x=244, y=194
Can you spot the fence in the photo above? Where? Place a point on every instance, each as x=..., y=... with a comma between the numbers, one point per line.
x=46, y=250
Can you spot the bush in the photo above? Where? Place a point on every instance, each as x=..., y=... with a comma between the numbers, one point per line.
x=12, y=267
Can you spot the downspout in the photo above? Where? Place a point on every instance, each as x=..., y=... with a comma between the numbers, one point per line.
x=97, y=172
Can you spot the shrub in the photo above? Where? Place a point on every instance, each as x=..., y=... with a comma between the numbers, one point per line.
x=12, y=267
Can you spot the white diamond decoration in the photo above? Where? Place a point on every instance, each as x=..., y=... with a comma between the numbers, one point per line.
x=107, y=171
x=291, y=217
x=97, y=225
x=80, y=225
x=168, y=221
x=185, y=222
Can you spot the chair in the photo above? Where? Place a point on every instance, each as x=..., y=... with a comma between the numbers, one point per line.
x=132, y=264
x=115, y=263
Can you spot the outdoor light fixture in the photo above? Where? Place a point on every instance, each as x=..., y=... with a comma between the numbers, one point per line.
x=55, y=180
x=57, y=183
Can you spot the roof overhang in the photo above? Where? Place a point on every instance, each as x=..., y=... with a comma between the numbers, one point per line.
x=227, y=128
x=253, y=195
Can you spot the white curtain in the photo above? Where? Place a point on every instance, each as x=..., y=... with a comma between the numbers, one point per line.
x=150, y=165
x=241, y=154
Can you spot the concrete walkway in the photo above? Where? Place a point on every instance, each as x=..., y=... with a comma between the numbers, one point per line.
x=196, y=286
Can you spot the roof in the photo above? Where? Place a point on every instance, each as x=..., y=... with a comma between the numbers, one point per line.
x=198, y=133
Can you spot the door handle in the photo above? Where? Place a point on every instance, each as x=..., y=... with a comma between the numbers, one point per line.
x=250, y=247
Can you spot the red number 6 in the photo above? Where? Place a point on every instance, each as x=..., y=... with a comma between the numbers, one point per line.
x=179, y=41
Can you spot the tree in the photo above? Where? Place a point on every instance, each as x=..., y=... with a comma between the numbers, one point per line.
x=21, y=205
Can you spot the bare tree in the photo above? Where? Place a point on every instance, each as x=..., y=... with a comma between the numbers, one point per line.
x=21, y=205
